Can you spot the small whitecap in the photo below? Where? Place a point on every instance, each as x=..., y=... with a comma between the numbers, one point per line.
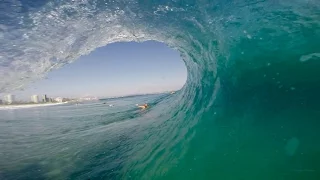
x=268, y=64
x=293, y=88
x=249, y=36
x=309, y=57
x=25, y=36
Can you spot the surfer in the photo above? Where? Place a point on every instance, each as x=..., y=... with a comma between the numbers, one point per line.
x=143, y=106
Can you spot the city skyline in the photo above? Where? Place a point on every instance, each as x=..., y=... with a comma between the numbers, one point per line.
x=118, y=69
x=10, y=99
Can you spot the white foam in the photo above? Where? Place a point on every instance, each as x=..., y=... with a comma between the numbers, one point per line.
x=308, y=57
x=23, y=106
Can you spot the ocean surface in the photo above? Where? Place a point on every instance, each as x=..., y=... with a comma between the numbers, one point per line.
x=249, y=110
x=86, y=140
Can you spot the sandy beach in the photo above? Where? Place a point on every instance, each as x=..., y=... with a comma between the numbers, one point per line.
x=22, y=106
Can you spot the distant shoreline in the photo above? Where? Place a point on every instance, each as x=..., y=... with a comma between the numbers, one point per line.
x=22, y=106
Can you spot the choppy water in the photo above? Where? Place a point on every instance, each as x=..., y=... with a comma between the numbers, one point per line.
x=88, y=140
x=249, y=110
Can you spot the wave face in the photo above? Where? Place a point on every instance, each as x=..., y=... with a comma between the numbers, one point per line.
x=249, y=109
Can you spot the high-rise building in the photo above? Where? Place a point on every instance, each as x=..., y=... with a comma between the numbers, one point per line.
x=9, y=99
x=35, y=99
x=44, y=98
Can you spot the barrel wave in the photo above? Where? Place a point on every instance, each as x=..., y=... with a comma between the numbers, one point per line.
x=249, y=109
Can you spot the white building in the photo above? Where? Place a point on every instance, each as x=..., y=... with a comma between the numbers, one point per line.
x=35, y=98
x=9, y=99
x=59, y=99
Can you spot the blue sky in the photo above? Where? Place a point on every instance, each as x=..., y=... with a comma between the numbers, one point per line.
x=115, y=70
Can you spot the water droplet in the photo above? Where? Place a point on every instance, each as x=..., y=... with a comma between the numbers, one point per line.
x=292, y=146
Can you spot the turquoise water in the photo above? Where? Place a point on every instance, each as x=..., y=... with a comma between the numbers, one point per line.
x=76, y=141
x=249, y=110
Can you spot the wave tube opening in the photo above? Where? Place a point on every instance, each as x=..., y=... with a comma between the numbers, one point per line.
x=118, y=69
